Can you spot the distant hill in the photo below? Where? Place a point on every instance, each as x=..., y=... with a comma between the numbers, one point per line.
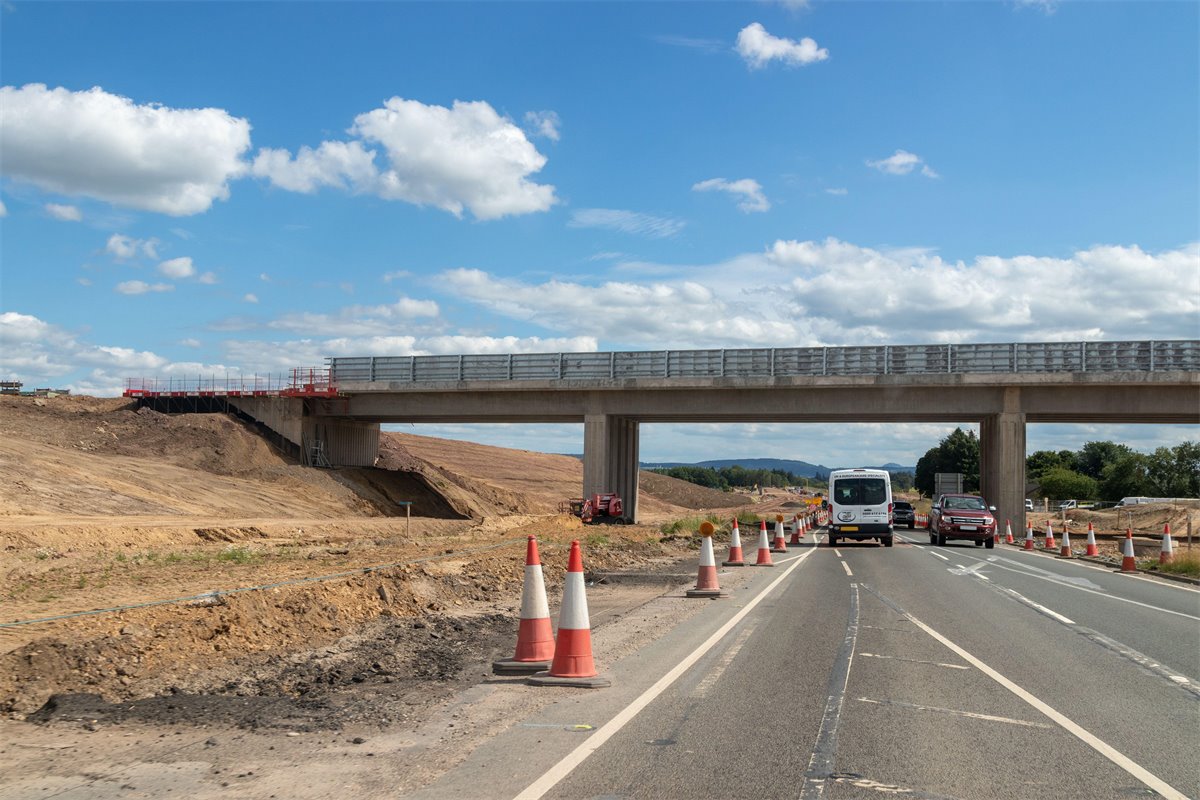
x=801, y=468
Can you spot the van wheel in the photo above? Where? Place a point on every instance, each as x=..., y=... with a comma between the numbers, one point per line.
x=832, y=540
x=887, y=541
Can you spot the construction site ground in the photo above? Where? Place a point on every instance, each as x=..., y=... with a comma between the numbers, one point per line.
x=270, y=630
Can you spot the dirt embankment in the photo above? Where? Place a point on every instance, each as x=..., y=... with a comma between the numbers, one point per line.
x=111, y=506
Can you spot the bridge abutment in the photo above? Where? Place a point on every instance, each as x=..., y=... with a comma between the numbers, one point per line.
x=1002, y=462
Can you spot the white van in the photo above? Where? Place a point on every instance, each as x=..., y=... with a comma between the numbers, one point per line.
x=860, y=505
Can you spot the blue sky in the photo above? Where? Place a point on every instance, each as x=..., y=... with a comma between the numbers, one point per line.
x=219, y=188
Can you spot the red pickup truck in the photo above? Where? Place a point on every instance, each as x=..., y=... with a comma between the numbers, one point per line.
x=962, y=516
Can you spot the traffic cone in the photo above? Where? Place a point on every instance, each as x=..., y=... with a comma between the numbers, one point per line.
x=735, y=548
x=1065, y=552
x=535, y=636
x=572, y=664
x=1028, y=535
x=1168, y=550
x=706, y=578
x=796, y=526
x=1050, y=545
x=1128, y=564
x=779, y=545
x=764, y=548
x=1008, y=537
x=1092, y=550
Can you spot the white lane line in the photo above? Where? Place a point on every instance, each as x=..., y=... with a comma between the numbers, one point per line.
x=846, y=567
x=593, y=743
x=937, y=555
x=705, y=686
x=995, y=561
x=1044, y=610
x=1108, y=751
x=914, y=660
x=957, y=713
x=837, y=552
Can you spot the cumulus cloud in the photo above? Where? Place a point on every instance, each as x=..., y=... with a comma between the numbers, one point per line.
x=63, y=212
x=466, y=157
x=177, y=268
x=95, y=144
x=543, y=123
x=902, y=162
x=748, y=192
x=208, y=278
x=376, y=320
x=249, y=297
x=3, y=209
x=123, y=248
x=759, y=48
x=838, y=191
x=141, y=287
x=626, y=222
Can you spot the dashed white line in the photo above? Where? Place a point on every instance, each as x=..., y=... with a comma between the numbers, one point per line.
x=913, y=660
x=846, y=567
x=702, y=689
x=957, y=713
x=937, y=555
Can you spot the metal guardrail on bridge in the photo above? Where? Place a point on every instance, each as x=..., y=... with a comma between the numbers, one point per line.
x=1019, y=357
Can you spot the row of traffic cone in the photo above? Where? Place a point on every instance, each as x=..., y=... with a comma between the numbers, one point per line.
x=1165, y=555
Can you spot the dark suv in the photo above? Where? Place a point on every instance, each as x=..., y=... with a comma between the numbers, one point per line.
x=904, y=514
x=962, y=516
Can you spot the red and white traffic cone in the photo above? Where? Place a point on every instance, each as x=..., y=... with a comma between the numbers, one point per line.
x=735, y=548
x=1168, y=550
x=1065, y=552
x=1128, y=563
x=796, y=526
x=706, y=577
x=1050, y=545
x=1008, y=537
x=572, y=664
x=1092, y=550
x=1028, y=535
x=779, y=545
x=535, y=636
x=764, y=547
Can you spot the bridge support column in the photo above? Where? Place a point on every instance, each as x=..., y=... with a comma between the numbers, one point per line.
x=1002, y=466
x=610, y=458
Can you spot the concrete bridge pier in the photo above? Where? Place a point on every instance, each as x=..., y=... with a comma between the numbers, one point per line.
x=1002, y=465
x=610, y=459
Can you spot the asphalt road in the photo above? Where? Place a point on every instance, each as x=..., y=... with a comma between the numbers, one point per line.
x=869, y=672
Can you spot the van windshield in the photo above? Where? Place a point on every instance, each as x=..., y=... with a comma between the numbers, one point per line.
x=860, y=491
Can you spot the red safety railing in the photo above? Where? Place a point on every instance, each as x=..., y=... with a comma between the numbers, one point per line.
x=299, y=382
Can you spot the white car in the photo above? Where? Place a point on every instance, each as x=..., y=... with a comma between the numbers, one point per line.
x=1028, y=504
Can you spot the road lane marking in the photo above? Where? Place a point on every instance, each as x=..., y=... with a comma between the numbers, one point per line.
x=913, y=660
x=846, y=567
x=837, y=552
x=995, y=560
x=821, y=763
x=937, y=555
x=569, y=762
x=714, y=674
x=859, y=782
x=1103, y=748
x=957, y=713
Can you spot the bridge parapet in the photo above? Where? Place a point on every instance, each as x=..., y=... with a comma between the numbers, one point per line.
x=933, y=359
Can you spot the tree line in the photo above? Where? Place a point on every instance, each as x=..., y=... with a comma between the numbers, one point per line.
x=1098, y=470
x=728, y=478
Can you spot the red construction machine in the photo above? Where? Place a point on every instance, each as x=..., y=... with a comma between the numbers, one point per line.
x=605, y=506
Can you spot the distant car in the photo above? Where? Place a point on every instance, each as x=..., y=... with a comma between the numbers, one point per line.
x=1028, y=504
x=962, y=516
x=904, y=514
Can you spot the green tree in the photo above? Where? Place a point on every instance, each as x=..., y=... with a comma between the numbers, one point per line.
x=1060, y=483
x=1095, y=456
x=1039, y=462
x=1128, y=476
x=958, y=452
x=1175, y=471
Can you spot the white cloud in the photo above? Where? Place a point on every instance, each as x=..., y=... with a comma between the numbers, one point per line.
x=141, y=287
x=626, y=222
x=177, y=268
x=381, y=320
x=902, y=162
x=250, y=297
x=691, y=42
x=543, y=123
x=208, y=278
x=748, y=191
x=759, y=48
x=1047, y=7
x=837, y=191
x=466, y=157
x=101, y=145
x=123, y=247
x=396, y=275
x=189, y=342
x=3, y=209
x=64, y=213
x=82, y=281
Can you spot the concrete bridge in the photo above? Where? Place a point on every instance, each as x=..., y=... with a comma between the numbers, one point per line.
x=1000, y=386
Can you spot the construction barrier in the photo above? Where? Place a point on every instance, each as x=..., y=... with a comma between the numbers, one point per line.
x=764, y=547
x=735, y=548
x=535, y=636
x=572, y=664
x=706, y=577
